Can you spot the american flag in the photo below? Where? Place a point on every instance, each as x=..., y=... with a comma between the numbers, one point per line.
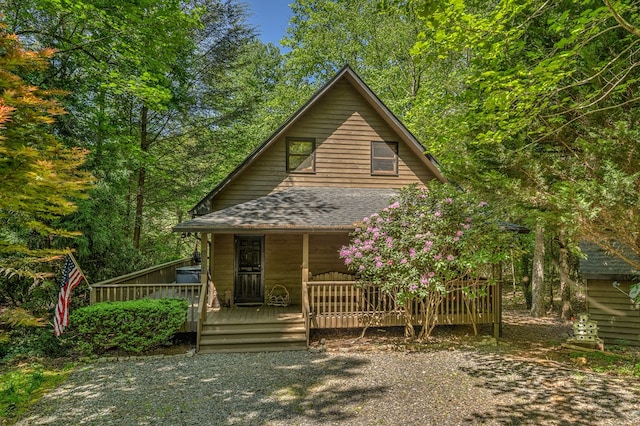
x=71, y=277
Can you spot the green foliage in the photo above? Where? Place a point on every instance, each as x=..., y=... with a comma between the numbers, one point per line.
x=13, y=318
x=545, y=119
x=634, y=292
x=624, y=362
x=33, y=342
x=22, y=386
x=187, y=63
x=425, y=245
x=41, y=178
x=133, y=326
x=376, y=44
x=19, y=317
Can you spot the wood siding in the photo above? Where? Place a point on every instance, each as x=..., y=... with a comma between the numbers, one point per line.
x=617, y=317
x=283, y=260
x=323, y=253
x=343, y=125
x=223, y=265
x=283, y=264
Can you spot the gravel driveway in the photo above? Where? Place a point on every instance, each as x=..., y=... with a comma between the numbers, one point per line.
x=303, y=388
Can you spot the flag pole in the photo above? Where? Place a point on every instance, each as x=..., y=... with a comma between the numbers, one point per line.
x=75, y=262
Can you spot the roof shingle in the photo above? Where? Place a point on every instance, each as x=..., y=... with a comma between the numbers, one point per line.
x=600, y=263
x=301, y=209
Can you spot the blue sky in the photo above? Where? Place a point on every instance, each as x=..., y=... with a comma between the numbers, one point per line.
x=271, y=18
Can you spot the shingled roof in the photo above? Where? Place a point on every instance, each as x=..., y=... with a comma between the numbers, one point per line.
x=302, y=209
x=601, y=265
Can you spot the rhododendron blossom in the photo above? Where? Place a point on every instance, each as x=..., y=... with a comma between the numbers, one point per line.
x=401, y=249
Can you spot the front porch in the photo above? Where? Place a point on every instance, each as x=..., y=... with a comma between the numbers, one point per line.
x=327, y=300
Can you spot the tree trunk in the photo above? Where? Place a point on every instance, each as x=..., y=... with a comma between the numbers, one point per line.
x=537, y=279
x=565, y=281
x=144, y=147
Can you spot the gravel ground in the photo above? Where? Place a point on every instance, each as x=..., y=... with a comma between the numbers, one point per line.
x=448, y=387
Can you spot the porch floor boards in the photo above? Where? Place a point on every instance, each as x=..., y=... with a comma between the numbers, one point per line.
x=253, y=314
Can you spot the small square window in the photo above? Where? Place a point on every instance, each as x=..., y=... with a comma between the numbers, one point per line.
x=384, y=158
x=301, y=155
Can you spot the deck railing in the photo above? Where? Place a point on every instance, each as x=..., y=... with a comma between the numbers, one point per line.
x=157, y=282
x=342, y=304
x=164, y=273
x=124, y=292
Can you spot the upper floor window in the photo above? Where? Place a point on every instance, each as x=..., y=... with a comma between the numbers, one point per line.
x=301, y=155
x=384, y=158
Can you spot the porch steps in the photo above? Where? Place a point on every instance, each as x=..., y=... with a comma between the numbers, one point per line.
x=264, y=335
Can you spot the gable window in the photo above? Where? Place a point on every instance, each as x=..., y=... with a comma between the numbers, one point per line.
x=301, y=157
x=384, y=158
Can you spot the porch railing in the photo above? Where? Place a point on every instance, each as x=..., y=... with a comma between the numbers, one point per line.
x=157, y=282
x=164, y=273
x=341, y=304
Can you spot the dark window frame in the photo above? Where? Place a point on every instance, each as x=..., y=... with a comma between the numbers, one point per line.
x=312, y=154
x=395, y=159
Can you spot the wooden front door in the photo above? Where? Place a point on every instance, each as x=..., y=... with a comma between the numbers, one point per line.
x=249, y=281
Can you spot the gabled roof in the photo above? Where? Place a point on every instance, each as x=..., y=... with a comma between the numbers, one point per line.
x=349, y=75
x=296, y=209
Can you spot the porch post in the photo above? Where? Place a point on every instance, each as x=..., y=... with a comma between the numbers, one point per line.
x=305, y=258
x=202, y=297
x=213, y=300
x=305, y=280
x=204, y=263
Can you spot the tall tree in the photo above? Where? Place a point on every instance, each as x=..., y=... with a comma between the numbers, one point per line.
x=149, y=82
x=548, y=113
x=537, y=279
x=566, y=310
x=325, y=35
x=40, y=178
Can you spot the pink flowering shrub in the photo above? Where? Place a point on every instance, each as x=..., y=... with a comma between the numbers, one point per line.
x=422, y=244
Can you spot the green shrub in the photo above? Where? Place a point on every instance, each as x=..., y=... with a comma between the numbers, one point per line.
x=133, y=326
x=33, y=342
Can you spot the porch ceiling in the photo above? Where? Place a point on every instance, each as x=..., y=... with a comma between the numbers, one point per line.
x=301, y=209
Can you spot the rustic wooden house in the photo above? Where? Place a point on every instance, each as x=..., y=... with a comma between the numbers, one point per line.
x=271, y=231
x=608, y=281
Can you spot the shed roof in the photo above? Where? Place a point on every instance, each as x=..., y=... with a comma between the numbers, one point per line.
x=602, y=265
x=368, y=95
x=295, y=209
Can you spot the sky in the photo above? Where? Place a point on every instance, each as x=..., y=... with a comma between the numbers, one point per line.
x=271, y=18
